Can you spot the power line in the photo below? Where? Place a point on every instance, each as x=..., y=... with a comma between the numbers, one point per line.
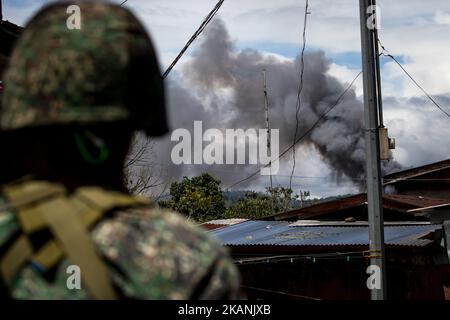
x=124, y=2
x=245, y=179
x=304, y=135
x=387, y=54
x=300, y=89
x=202, y=27
x=266, y=259
x=280, y=293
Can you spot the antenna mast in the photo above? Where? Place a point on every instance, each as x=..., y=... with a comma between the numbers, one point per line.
x=266, y=108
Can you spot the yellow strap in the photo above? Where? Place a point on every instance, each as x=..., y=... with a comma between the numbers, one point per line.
x=15, y=257
x=76, y=243
x=22, y=198
x=106, y=200
x=30, y=219
x=29, y=192
x=90, y=203
x=48, y=255
x=23, y=195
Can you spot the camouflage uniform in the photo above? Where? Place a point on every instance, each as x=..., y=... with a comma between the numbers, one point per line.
x=151, y=254
x=105, y=73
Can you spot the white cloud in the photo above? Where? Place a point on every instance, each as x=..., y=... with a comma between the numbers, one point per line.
x=346, y=75
x=442, y=17
x=415, y=29
x=421, y=131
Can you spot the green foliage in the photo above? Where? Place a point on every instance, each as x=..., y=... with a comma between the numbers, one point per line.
x=256, y=205
x=199, y=198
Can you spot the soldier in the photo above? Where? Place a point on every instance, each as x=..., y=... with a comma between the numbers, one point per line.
x=72, y=101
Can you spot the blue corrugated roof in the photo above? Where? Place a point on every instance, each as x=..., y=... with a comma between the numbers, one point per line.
x=281, y=234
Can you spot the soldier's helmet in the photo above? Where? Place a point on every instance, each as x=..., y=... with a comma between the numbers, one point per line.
x=103, y=72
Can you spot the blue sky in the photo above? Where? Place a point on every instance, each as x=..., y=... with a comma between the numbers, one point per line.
x=275, y=27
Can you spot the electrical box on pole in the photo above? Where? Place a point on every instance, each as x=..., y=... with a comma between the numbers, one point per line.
x=386, y=144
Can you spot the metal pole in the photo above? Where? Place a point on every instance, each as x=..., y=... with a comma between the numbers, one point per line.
x=1, y=11
x=269, y=147
x=373, y=170
x=377, y=60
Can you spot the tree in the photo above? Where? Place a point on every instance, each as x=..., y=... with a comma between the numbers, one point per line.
x=141, y=174
x=199, y=198
x=257, y=205
x=304, y=195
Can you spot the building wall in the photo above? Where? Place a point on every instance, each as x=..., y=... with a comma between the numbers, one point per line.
x=412, y=273
x=331, y=280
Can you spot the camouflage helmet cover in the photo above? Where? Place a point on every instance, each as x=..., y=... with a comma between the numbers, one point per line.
x=104, y=72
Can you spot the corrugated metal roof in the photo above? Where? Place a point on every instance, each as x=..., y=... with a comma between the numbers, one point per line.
x=280, y=233
x=416, y=172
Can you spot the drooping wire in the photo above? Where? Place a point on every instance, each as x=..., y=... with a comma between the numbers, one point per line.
x=283, y=258
x=305, y=134
x=124, y=2
x=280, y=293
x=202, y=27
x=386, y=53
x=300, y=89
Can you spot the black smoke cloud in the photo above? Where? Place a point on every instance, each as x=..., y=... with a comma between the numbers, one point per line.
x=223, y=88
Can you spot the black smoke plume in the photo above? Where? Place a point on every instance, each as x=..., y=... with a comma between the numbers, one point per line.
x=223, y=87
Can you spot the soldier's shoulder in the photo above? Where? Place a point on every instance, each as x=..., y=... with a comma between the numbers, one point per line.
x=158, y=254
x=164, y=225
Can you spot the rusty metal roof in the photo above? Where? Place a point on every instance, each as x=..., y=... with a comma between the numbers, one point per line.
x=412, y=173
x=226, y=222
x=215, y=224
x=399, y=203
x=10, y=27
x=402, y=202
x=323, y=208
x=319, y=223
x=280, y=233
x=9, y=33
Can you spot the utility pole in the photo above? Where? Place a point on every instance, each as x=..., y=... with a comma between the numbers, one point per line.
x=372, y=100
x=269, y=148
x=1, y=11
